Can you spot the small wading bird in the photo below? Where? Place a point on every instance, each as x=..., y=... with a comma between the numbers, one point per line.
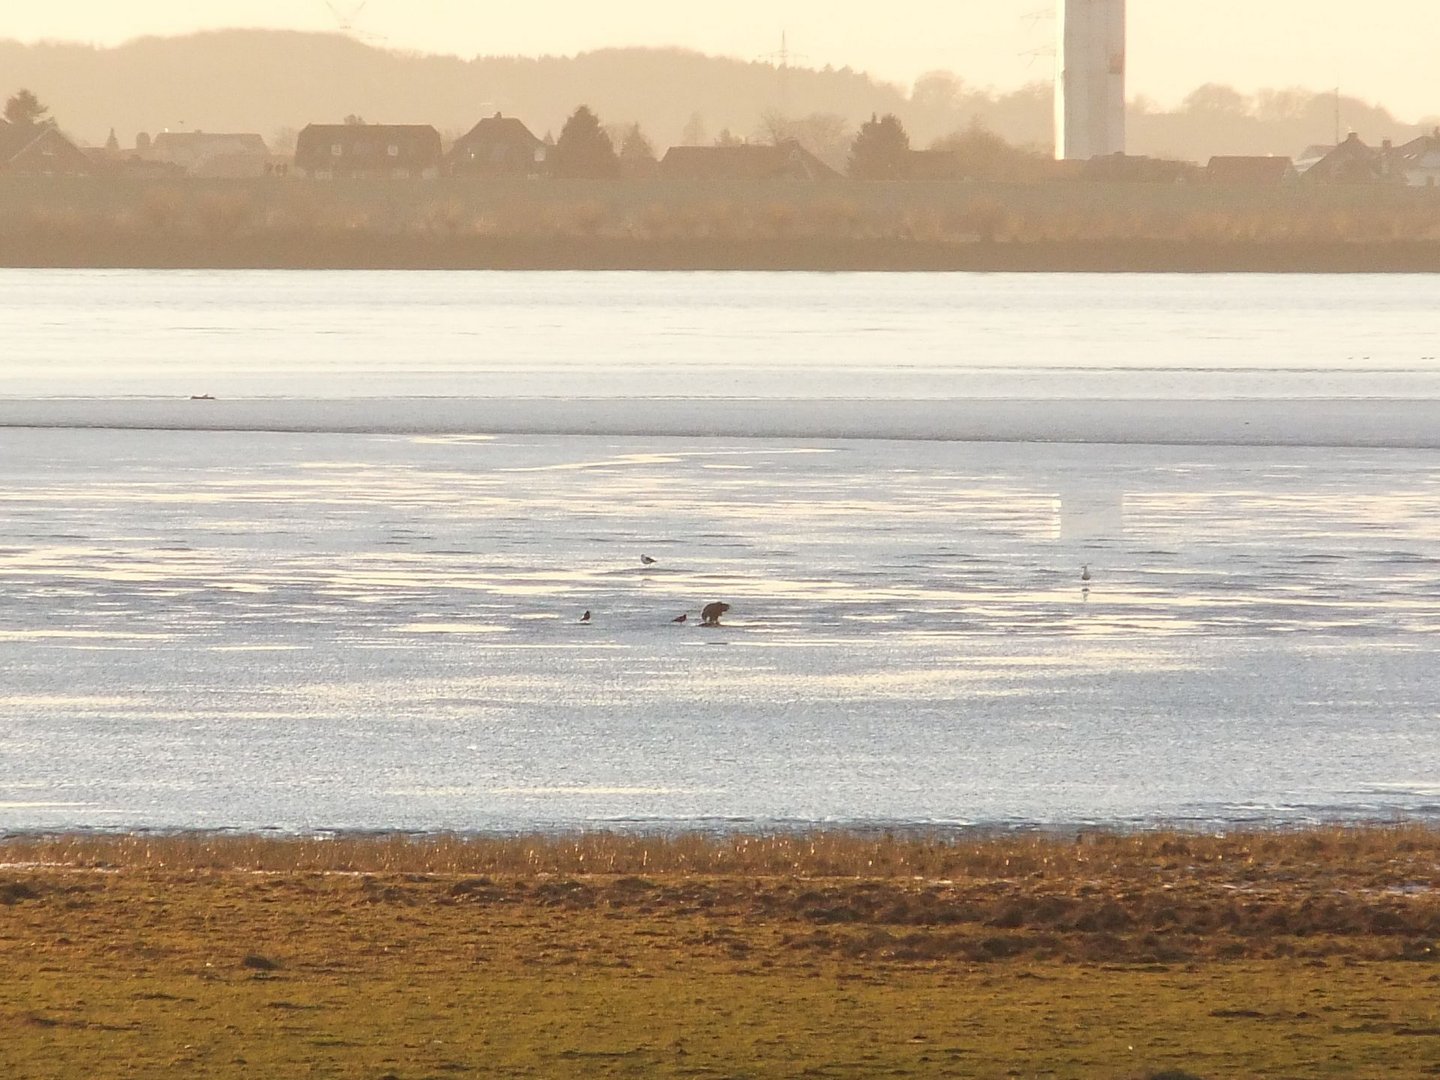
x=710, y=613
x=585, y=617
x=681, y=618
x=1085, y=572
x=646, y=560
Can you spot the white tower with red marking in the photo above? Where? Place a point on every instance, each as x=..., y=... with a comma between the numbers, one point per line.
x=1090, y=82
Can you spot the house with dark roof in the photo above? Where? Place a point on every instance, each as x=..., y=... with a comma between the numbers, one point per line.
x=1246, y=171
x=40, y=150
x=1310, y=155
x=368, y=151
x=213, y=154
x=1353, y=162
x=1120, y=168
x=785, y=160
x=130, y=166
x=498, y=146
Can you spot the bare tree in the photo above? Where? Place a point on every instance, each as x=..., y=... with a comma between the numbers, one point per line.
x=284, y=140
x=695, y=133
x=1214, y=98
x=826, y=135
x=939, y=90
x=980, y=154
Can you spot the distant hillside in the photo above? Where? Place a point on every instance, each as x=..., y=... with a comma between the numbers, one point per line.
x=264, y=81
x=272, y=82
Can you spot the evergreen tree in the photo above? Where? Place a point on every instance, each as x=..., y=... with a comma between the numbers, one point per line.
x=637, y=153
x=635, y=146
x=881, y=151
x=583, y=149
x=695, y=133
x=24, y=109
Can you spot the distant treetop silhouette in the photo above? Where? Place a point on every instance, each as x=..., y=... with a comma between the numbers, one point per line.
x=881, y=151
x=583, y=150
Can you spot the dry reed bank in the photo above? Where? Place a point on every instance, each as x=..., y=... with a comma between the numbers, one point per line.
x=1307, y=954
x=759, y=225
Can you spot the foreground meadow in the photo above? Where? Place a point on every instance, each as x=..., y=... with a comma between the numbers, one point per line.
x=1305, y=954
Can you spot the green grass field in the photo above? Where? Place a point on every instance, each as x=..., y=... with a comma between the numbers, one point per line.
x=1291, y=955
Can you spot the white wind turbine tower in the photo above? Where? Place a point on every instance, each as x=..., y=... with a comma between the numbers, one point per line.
x=1090, y=80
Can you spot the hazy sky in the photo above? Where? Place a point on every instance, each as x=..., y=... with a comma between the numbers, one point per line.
x=1379, y=50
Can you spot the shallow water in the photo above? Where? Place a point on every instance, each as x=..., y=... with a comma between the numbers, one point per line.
x=253, y=630
x=751, y=335
x=297, y=631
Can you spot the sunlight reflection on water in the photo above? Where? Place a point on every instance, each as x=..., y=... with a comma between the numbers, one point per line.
x=909, y=639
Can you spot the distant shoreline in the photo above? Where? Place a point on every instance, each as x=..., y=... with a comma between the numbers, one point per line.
x=808, y=254
x=745, y=226
x=1311, y=422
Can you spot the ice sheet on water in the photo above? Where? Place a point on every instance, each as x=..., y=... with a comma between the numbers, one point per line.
x=909, y=639
x=1351, y=422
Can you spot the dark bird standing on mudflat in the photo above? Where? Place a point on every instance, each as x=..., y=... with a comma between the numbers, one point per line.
x=681, y=618
x=585, y=617
x=710, y=613
x=647, y=560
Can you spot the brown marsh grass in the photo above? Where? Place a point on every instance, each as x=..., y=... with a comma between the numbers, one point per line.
x=957, y=215
x=1350, y=857
x=1299, y=954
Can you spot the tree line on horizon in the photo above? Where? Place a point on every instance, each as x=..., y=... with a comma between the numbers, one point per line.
x=291, y=227
x=587, y=150
x=272, y=81
x=880, y=150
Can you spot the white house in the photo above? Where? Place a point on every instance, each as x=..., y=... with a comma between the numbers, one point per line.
x=1419, y=160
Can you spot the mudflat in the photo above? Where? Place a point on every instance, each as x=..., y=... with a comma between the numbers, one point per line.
x=1298, y=954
